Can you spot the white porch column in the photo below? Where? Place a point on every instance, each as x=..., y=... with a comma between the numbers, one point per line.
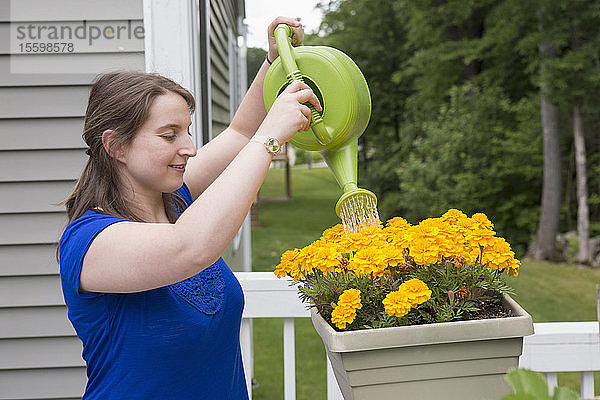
x=171, y=29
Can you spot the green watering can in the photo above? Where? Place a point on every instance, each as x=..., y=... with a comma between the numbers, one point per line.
x=344, y=95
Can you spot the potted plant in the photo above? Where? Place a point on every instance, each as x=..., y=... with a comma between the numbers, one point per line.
x=414, y=311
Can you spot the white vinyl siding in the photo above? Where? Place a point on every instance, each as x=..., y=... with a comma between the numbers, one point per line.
x=41, y=156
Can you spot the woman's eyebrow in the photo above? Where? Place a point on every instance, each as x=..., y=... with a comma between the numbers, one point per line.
x=171, y=125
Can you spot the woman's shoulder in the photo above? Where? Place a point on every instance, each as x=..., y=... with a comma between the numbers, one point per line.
x=81, y=231
x=74, y=244
x=90, y=219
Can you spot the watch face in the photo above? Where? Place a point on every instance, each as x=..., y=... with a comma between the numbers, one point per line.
x=273, y=145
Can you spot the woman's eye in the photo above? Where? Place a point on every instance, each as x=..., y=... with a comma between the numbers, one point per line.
x=170, y=138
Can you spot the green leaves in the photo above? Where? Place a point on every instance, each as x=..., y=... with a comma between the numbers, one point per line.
x=530, y=385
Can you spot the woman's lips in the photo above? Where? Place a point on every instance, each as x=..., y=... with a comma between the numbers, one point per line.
x=178, y=167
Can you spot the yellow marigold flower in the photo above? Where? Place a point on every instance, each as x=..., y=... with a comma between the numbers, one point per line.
x=513, y=267
x=324, y=258
x=345, y=310
x=342, y=315
x=334, y=234
x=289, y=264
x=498, y=255
x=424, y=251
x=396, y=303
x=453, y=215
x=479, y=231
x=369, y=237
x=416, y=291
x=482, y=220
x=396, y=232
x=392, y=256
x=368, y=260
x=351, y=297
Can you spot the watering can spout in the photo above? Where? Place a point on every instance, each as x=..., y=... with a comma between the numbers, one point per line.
x=342, y=162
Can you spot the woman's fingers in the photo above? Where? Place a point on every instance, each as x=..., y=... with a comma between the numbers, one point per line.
x=297, y=37
x=306, y=112
x=304, y=94
x=293, y=22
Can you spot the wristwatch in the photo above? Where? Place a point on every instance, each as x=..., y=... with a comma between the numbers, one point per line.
x=271, y=144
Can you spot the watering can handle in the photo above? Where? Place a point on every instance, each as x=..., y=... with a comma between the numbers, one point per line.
x=286, y=52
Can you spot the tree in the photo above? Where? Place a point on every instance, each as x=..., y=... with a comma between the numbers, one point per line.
x=254, y=59
x=583, y=216
x=545, y=239
x=468, y=99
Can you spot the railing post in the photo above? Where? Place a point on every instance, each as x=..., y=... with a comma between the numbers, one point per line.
x=247, y=352
x=552, y=379
x=333, y=390
x=289, y=360
x=587, y=385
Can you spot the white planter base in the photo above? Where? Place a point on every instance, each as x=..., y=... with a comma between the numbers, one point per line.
x=454, y=360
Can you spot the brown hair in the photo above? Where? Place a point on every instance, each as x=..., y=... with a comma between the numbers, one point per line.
x=119, y=101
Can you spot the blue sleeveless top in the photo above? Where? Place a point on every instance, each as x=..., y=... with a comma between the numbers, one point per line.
x=180, y=341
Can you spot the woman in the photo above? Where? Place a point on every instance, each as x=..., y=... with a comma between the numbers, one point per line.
x=157, y=309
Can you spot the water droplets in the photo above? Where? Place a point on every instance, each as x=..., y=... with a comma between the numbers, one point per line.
x=358, y=212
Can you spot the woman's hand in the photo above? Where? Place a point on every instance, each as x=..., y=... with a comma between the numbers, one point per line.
x=297, y=37
x=289, y=114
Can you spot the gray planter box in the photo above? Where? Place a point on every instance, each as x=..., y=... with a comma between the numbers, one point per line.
x=453, y=360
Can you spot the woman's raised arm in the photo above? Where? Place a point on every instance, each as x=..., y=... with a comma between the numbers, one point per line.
x=214, y=156
x=131, y=256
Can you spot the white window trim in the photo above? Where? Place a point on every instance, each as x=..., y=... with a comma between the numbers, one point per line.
x=171, y=46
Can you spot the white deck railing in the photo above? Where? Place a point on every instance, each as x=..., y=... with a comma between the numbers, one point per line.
x=555, y=347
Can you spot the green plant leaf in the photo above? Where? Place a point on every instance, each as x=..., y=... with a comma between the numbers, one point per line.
x=521, y=396
x=562, y=393
x=528, y=384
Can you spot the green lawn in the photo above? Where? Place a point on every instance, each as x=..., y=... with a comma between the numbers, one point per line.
x=549, y=292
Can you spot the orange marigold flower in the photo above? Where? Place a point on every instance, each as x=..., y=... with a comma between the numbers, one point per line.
x=416, y=290
x=289, y=264
x=351, y=297
x=368, y=260
x=345, y=310
x=368, y=237
x=498, y=255
x=482, y=220
x=334, y=234
x=463, y=292
x=396, y=303
x=343, y=315
x=453, y=215
x=325, y=258
x=396, y=232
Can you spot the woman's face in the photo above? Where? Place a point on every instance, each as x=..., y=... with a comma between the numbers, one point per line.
x=156, y=159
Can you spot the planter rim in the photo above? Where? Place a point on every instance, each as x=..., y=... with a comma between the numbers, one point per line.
x=415, y=335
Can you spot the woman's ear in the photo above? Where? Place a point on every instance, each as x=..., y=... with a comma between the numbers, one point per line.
x=108, y=141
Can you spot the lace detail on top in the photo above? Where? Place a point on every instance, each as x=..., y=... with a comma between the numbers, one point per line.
x=204, y=291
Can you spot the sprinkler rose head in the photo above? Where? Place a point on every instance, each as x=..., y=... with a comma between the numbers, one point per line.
x=357, y=208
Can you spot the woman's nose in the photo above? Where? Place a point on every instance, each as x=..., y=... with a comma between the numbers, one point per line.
x=188, y=148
